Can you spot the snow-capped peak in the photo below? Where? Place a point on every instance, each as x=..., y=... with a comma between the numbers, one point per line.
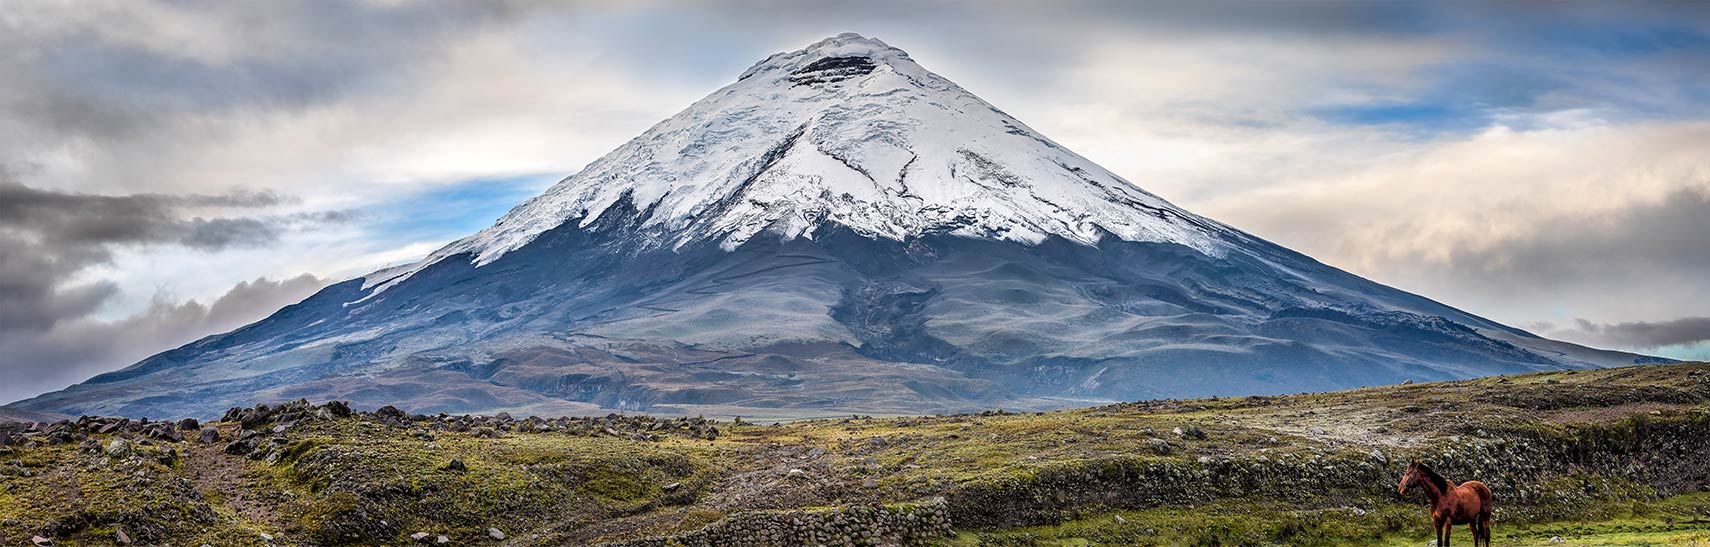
x=851, y=131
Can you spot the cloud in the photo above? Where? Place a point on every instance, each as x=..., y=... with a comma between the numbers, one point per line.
x=63, y=218
x=1566, y=220
x=1641, y=335
x=50, y=334
x=78, y=347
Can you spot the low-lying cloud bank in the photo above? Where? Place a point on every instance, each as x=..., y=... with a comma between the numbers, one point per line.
x=51, y=332
x=1686, y=332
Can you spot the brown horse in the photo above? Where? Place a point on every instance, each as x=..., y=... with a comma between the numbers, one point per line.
x=1469, y=503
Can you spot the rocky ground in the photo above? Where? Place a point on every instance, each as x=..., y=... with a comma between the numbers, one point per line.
x=1606, y=457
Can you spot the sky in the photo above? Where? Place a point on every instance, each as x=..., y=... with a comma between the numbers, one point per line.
x=170, y=170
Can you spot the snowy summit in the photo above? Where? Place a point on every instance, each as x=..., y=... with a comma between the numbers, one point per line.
x=850, y=131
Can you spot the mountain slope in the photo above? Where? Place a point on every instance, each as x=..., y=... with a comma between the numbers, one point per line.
x=838, y=231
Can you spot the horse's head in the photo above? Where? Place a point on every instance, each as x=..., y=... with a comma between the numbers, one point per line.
x=1409, y=479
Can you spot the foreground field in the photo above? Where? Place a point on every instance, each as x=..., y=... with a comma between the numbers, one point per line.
x=1608, y=457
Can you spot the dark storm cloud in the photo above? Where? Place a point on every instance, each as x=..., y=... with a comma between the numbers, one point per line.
x=1630, y=244
x=81, y=347
x=49, y=333
x=1686, y=331
x=73, y=219
x=47, y=238
x=87, y=75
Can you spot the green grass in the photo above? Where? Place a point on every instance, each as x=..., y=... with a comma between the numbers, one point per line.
x=1593, y=457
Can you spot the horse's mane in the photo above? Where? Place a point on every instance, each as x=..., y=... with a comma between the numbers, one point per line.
x=1442, y=483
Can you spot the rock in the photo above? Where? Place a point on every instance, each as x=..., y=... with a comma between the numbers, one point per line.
x=1189, y=431
x=456, y=465
x=119, y=536
x=118, y=448
x=391, y=412
x=89, y=446
x=796, y=473
x=1378, y=455
x=189, y=424
x=209, y=435
x=266, y=537
x=441, y=540
x=39, y=541
x=1557, y=540
x=420, y=537
x=1407, y=382
x=495, y=534
x=1315, y=430
x=672, y=487
x=239, y=448
x=1120, y=520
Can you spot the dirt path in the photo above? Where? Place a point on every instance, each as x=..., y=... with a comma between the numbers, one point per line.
x=220, y=478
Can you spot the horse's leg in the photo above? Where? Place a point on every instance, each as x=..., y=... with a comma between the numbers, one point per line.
x=1448, y=526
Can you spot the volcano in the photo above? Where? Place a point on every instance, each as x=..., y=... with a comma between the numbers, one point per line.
x=838, y=231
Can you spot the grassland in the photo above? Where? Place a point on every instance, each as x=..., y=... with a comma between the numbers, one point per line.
x=1608, y=457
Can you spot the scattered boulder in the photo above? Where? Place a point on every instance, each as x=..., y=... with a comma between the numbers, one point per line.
x=240, y=447
x=339, y=409
x=391, y=412
x=1190, y=431
x=119, y=448
x=208, y=435
x=495, y=534
x=456, y=465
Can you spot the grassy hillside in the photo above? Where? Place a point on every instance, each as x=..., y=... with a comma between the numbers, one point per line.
x=1608, y=457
